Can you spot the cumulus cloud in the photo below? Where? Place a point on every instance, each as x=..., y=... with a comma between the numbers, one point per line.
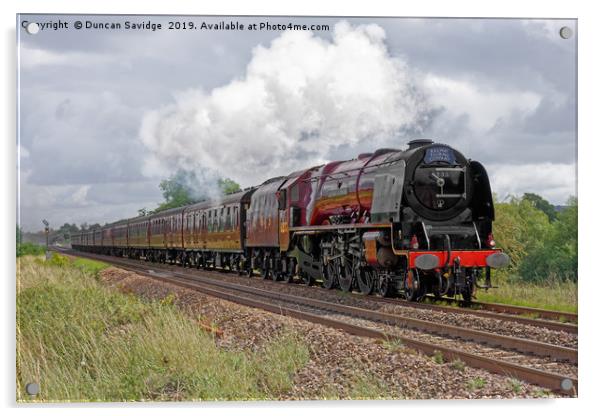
x=554, y=181
x=486, y=106
x=32, y=58
x=299, y=98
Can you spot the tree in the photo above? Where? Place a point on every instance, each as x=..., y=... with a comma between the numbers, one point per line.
x=228, y=186
x=556, y=258
x=142, y=212
x=542, y=205
x=184, y=188
x=177, y=190
x=519, y=229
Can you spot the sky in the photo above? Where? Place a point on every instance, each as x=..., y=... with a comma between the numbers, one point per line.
x=105, y=114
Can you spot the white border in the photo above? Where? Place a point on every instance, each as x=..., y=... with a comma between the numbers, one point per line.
x=589, y=138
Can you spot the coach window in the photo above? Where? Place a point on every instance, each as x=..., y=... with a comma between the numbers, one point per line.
x=228, y=219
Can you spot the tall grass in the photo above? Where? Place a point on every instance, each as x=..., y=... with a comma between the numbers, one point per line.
x=553, y=294
x=83, y=342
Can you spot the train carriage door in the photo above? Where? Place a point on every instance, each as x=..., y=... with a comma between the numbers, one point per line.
x=283, y=227
x=147, y=233
x=181, y=230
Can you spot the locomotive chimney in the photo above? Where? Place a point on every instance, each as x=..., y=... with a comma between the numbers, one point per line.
x=416, y=143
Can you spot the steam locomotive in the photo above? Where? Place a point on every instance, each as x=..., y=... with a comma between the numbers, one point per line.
x=409, y=222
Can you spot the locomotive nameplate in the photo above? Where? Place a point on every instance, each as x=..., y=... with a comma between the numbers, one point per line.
x=439, y=154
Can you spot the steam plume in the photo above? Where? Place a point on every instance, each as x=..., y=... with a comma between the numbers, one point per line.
x=300, y=98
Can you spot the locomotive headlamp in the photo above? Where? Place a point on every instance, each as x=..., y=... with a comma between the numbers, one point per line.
x=414, y=242
x=490, y=241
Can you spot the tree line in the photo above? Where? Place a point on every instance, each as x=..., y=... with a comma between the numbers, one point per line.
x=540, y=239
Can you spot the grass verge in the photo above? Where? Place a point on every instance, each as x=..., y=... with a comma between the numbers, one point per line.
x=81, y=341
x=557, y=296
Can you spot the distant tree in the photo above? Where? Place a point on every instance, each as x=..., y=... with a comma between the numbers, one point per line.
x=543, y=205
x=142, y=212
x=177, y=190
x=228, y=186
x=184, y=188
x=65, y=231
x=19, y=235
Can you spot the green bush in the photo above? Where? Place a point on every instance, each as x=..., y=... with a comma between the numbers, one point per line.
x=26, y=249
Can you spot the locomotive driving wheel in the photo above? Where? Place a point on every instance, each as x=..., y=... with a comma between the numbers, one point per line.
x=366, y=279
x=345, y=275
x=383, y=286
x=330, y=269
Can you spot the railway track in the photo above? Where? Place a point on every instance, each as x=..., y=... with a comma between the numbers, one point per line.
x=547, y=365
x=512, y=309
x=489, y=311
x=510, y=313
x=469, y=311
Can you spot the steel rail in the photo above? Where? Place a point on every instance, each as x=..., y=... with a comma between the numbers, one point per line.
x=538, y=348
x=541, y=323
x=488, y=314
x=512, y=309
x=511, y=313
x=556, y=382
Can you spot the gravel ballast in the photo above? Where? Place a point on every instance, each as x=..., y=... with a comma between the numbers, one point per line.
x=340, y=366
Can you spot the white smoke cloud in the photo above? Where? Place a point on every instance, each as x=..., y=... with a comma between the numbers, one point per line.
x=299, y=98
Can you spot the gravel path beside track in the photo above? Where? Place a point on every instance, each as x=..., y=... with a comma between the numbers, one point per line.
x=340, y=365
